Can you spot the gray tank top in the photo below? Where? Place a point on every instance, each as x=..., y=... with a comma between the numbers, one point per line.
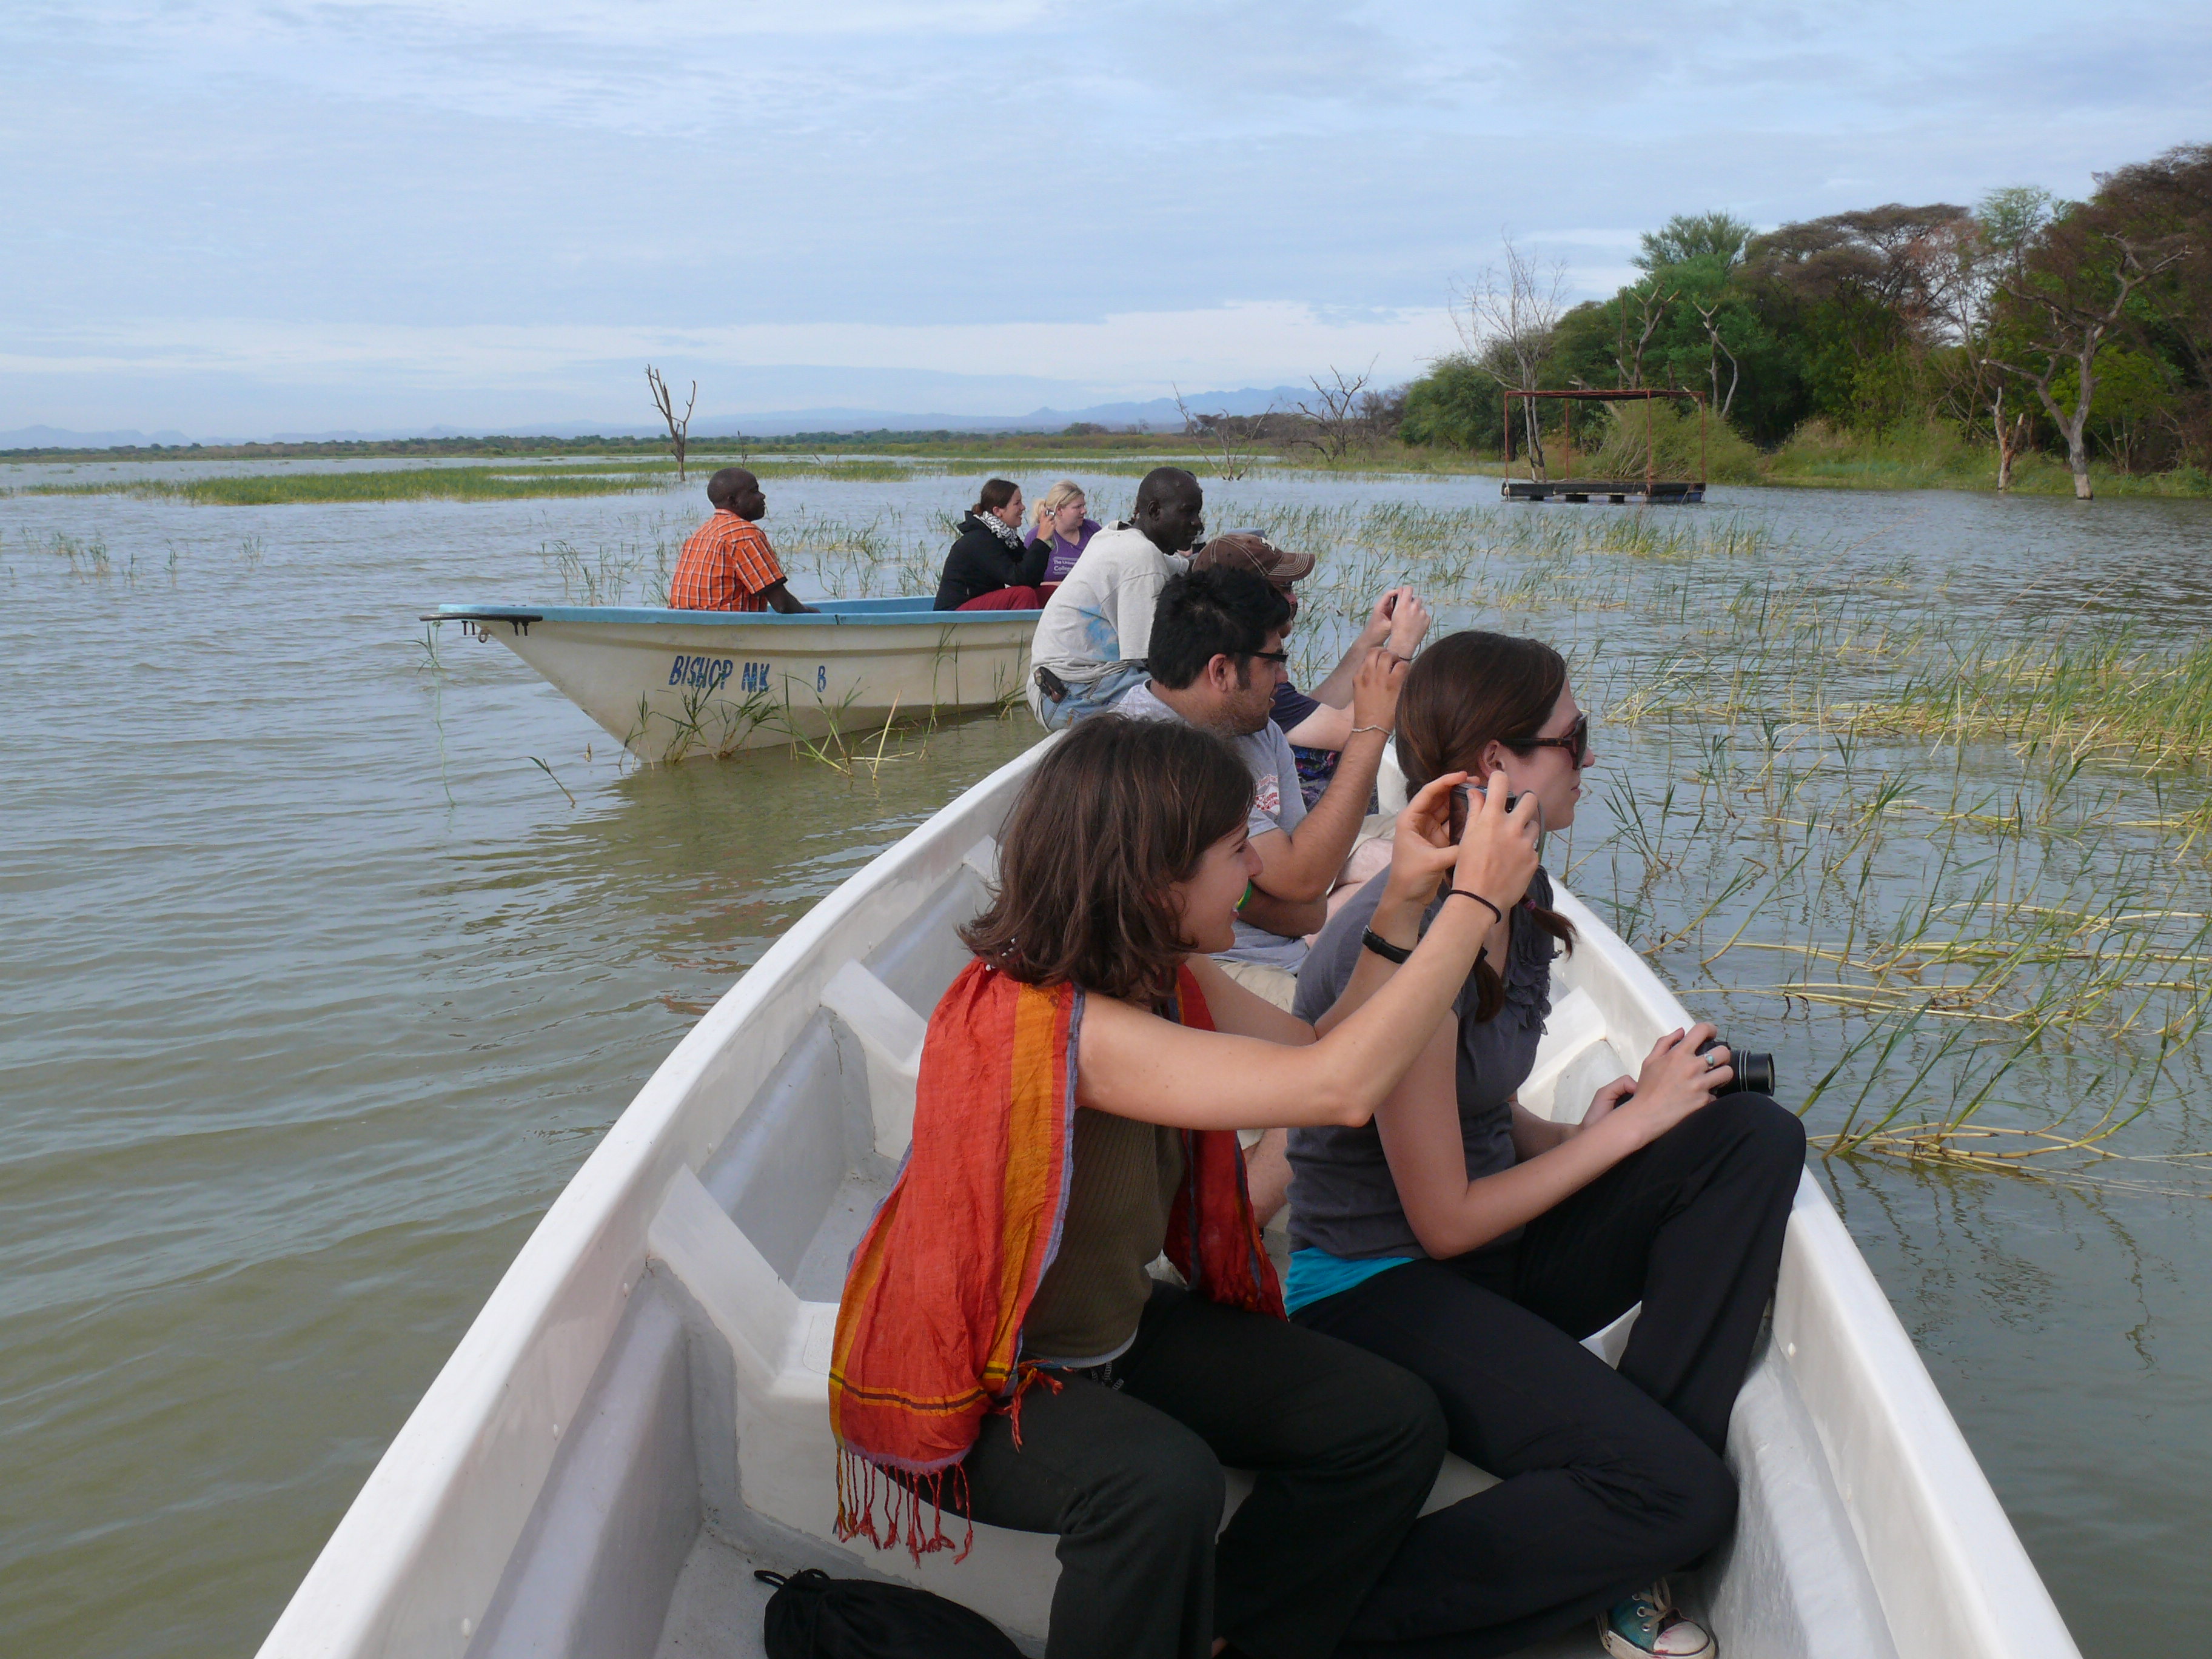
x=1342, y=1197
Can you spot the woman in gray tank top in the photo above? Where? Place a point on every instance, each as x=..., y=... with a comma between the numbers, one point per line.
x=1476, y=1244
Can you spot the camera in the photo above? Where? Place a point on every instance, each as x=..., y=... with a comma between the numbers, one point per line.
x=1754, y=1072
x=1462, y=804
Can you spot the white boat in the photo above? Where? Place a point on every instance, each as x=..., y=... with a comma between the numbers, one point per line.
x=676, y=684
x=638, y=1417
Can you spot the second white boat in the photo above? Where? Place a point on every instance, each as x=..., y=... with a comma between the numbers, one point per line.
x=676, y=685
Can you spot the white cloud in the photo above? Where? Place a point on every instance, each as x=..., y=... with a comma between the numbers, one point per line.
x=350, y=194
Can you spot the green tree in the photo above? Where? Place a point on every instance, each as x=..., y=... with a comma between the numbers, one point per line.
x=1715, y=237
x=1458, y=404
x=2065, y=296
x=1850, y=290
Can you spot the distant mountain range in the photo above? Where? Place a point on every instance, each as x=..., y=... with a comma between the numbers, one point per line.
x=55, y=437
x=1156, y=415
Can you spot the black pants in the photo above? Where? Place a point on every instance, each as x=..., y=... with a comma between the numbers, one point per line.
x=1345, y=1447
x=1607, y=1479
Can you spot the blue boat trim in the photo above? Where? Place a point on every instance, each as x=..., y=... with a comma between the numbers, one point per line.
x=907, y=609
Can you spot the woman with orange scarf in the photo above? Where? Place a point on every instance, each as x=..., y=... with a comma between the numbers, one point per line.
x=1001, y=1351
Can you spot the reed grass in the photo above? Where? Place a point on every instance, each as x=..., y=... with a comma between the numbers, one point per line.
x=619, y=572
x=1672, y=441
x=1952, y=869
x=86, y=557
x=2102, y=691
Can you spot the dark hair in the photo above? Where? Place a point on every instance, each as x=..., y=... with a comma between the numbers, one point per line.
x=1117, y=812
x=1204, y=614
x=1461, y=693
x=996, y=493
x=727, y=482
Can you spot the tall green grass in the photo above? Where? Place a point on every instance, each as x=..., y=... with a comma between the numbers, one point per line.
x=2098, y=690
x=1937, y=455
x=1672, y=441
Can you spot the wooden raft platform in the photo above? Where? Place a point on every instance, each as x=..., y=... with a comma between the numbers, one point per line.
x=1656, y=492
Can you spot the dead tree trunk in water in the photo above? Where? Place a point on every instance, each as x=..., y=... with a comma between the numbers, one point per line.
x=679, y=428
x=2011, y=436
x=1517, y=309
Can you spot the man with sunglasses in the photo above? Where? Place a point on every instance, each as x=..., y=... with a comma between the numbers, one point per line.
x=1215, y=657
x=1317, y=722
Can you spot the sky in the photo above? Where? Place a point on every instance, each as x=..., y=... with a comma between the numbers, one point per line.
x=231, y=219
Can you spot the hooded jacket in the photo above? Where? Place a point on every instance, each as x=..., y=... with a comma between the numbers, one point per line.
x=982, y=561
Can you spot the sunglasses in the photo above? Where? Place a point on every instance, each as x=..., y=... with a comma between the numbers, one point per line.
x=1575, y=742
x=1282, y=657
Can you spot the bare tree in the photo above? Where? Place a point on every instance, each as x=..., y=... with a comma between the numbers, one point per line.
x=679, y=428
x=1962, y=259
x=1234, y=438
x=1719, y=349
x=1336, y=417
x=1651, y=303
x=1382, y=414
x=1517, y=310
x=2011, y=434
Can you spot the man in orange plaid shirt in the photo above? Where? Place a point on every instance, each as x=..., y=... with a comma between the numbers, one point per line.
x=728, y=564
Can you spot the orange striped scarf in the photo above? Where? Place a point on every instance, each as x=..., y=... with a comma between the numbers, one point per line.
x=929, y=1330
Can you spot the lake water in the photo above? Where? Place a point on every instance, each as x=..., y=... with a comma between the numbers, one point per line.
x=331, y=952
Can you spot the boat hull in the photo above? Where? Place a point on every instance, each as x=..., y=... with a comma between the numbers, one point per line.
x=675, y=685
x=639, y=1413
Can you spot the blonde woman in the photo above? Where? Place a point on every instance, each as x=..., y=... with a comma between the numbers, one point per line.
x=1062, y=526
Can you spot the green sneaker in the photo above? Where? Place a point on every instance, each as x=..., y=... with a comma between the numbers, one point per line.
x=1645, y=1624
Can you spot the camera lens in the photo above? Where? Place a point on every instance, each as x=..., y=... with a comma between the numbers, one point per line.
x=1754, y=1072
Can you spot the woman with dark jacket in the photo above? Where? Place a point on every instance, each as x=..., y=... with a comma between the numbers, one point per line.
x=989, y=567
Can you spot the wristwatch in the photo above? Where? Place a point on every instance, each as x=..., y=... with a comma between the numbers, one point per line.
x=1382, y=947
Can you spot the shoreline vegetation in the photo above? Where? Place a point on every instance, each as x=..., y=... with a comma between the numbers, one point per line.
x=1819, y=455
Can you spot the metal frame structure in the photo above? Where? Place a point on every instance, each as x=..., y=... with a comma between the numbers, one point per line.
x=1572, y=489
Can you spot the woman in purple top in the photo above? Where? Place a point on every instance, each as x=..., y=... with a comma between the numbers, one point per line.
x=1061, y=523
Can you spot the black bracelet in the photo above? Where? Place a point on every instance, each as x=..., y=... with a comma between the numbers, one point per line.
x=1461, y=892
x=1382, y=947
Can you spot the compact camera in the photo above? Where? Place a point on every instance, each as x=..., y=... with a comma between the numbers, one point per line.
x=1463, y=803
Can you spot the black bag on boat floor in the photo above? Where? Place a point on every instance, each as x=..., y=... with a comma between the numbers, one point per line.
x=814, y=1616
